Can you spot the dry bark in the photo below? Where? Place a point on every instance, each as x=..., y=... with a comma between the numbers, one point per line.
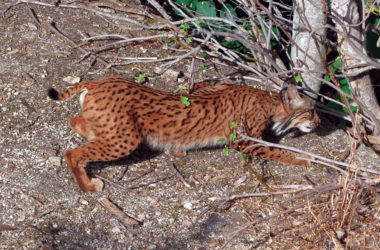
x=350, y=26
x=308, y=28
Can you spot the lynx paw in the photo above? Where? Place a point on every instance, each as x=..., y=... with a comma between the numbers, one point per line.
x=96, y=185
x=179, y=154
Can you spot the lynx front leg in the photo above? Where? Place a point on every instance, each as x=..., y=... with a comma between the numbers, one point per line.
x=271, y=153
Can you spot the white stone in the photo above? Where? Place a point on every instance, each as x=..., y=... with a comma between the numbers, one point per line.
x=55, y=160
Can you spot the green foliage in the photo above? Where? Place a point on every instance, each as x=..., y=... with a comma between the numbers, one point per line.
x=209, y=8
x=141, y=77
x=232, y=136
x=185, y=100
x=245, y=157
x=221, y=139
x=203, y=68
x=184, y=28
x=298, y=79
x=336, y=67
x=182, y=87
x=225, y=150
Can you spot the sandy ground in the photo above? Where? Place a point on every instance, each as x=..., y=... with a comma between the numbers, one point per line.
x=39, y=198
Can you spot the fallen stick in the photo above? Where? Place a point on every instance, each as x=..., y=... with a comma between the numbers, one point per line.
x=7, y=228
x=124, y=218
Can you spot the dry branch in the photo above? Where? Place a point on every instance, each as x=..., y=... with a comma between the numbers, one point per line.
x=7, y=228
x=125, y=218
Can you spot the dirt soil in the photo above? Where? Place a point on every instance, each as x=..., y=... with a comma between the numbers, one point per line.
x=43, y=205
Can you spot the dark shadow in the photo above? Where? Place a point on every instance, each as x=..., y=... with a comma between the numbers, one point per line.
x=375, y=77
x=142, y=153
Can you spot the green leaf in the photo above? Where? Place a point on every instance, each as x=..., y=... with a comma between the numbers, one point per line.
x=169, y=42
x=202, y=53
x=245, y=24
x=298, y=78
x=224, y=13
x=327, y=78
x=183, y=2
x=181, y=87
x=225, y=150
x=275, y=31
x=233, y=125
x=193, y=4
x=345, y=88
x=187, y=40
x=245, y=157
x=232, y=136
x=337, y=64
x=184, y=28
x=377, y=21
x=343, y=82
x=206, y=9
x=140, y=77
x=221, y=139
x=203, y=68
x=185, y=100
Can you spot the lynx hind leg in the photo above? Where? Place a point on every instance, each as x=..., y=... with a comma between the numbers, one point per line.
x=98, y=150
x=80, y=126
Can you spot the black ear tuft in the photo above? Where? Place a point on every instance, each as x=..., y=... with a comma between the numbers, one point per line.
x=53, y=94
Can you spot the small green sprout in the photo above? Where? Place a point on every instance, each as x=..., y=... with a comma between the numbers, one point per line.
x=185, y=100
x=141, y=77
x=182, y=87
x=203, y=68
x=221, y=139
x=184, y=28
x=298, y=78
x=232, y=136
x=225, y=150
x=245, y=157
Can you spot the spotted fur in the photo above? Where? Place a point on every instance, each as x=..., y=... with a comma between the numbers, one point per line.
x=118, y=114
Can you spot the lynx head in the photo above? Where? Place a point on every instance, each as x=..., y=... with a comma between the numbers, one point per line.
x=301, y=112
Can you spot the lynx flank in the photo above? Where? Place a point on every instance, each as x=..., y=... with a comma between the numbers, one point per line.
x=119, y=114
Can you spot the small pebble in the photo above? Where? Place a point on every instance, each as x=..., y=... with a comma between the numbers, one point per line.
x=55, y=160
x=71, y=79
x=188, y=205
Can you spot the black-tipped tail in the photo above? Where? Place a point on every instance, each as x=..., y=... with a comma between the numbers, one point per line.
x=53, y=94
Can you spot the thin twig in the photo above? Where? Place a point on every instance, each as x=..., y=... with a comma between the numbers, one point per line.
x=250, y=224
x=179, y=175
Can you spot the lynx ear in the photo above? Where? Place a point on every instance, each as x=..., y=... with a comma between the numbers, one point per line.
x=290, y=97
